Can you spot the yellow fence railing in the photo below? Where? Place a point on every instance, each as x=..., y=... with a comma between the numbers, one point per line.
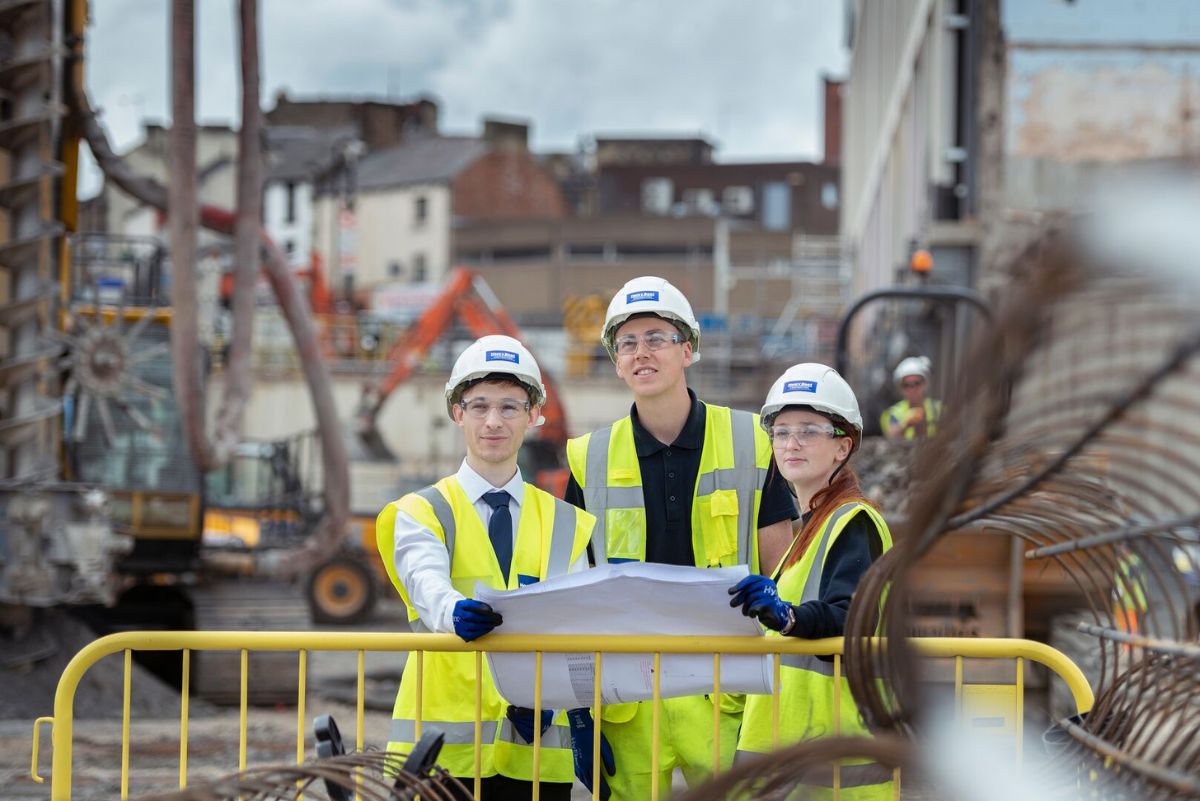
x=999, y=706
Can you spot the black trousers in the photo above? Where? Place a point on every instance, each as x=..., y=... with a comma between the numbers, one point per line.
x=502, y=788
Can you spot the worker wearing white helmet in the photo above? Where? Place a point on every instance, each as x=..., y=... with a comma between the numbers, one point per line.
x=814, y=423
x=482, y=524
x=916, y=416
x=676, y=481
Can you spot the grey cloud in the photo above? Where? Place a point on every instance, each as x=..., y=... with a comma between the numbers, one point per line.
x=743, y=72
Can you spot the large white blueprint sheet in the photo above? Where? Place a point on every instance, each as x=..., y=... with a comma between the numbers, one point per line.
x=625, y=599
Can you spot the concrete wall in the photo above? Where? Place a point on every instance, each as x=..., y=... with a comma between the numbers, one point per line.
x=413, y=423
x=1097, y=82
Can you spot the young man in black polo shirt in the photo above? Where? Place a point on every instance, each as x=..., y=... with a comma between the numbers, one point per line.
x=676, y=482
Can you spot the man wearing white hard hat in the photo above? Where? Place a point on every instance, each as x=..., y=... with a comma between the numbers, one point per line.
x=677, y=481
x=916, y=415
x=482, y=524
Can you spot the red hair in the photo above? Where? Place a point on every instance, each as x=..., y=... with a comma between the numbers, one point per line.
x=844, y=488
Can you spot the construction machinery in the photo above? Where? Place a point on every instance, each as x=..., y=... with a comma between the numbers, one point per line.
x=101, y=503
x=58, y=541
x=467, y=299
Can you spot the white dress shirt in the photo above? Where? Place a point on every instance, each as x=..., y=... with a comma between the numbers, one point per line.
x=423, y=563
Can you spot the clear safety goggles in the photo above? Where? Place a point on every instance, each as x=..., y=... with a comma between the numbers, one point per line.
x=479, y=408
x=653, y=340
x=803, y=434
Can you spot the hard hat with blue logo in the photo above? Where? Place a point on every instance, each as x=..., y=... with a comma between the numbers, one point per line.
x=817, y=386
x=495, y=354
x=649, y=294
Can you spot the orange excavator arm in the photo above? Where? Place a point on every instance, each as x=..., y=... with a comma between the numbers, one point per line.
x=468, y=298
x=482, y=314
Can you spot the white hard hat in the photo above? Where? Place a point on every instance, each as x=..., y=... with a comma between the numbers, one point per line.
x=817, y=386
x=648, y=294
x=913, y=365
x=496, y=354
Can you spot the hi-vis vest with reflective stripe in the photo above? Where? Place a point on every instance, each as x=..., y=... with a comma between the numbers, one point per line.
x=551, y=534
x=898, y=413
x=725, y=501
x=806, y=683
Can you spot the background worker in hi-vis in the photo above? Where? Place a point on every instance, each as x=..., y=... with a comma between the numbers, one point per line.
x=484, y=523
x=916, y=415
x=677, y=482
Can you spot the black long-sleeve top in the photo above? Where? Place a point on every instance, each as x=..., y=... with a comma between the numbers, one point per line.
x=856, y=548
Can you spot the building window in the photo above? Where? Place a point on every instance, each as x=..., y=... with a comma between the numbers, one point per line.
x=421, y=210
x=419, y=269
x=289, y=215
x=289, y=247
x=777, y=206
x=394, y=269
x=738, y=200
x=657, y=195
x=829, y=195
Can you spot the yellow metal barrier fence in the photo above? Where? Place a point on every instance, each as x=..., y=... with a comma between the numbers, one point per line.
x=988, y=700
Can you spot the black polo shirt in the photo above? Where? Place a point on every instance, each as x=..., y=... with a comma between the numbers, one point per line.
x=668, y=480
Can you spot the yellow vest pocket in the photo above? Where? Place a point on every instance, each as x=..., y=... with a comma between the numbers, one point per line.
x=721, y=539
x=625, y=533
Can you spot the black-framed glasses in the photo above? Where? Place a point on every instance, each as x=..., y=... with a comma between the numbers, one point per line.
x=803, y=434
x=653, y=340
x=479, y=408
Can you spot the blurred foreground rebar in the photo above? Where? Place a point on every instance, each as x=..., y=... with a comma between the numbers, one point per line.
x=1075, y=428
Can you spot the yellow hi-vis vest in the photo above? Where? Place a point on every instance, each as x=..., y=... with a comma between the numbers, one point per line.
x=551, y=535
x=725, y=502
x=898, y=412
x=806, y=683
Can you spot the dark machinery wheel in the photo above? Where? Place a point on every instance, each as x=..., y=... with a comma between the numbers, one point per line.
x=341, y=591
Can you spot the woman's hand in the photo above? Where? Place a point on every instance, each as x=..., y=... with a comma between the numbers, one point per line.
x=759, y=598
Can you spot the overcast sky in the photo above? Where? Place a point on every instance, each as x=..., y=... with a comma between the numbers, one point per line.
x=746, y=73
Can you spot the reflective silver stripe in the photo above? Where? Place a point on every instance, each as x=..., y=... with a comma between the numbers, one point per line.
x=807, y=662
x=445, y=517
x=595, y=488
x=726, y=478
x=745, y=463
x=457, y=732
x=625, y=498
x=562, y=539
x=812, y=584
x=419, y=627
x=554, y=737
x=863, y=775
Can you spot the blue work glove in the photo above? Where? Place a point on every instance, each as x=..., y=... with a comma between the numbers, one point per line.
x=522, y=721
x=759, y=597
x=583, y=735
x=473, y=619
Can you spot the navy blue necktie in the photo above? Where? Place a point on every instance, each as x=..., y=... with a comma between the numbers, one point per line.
x=500, y=530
